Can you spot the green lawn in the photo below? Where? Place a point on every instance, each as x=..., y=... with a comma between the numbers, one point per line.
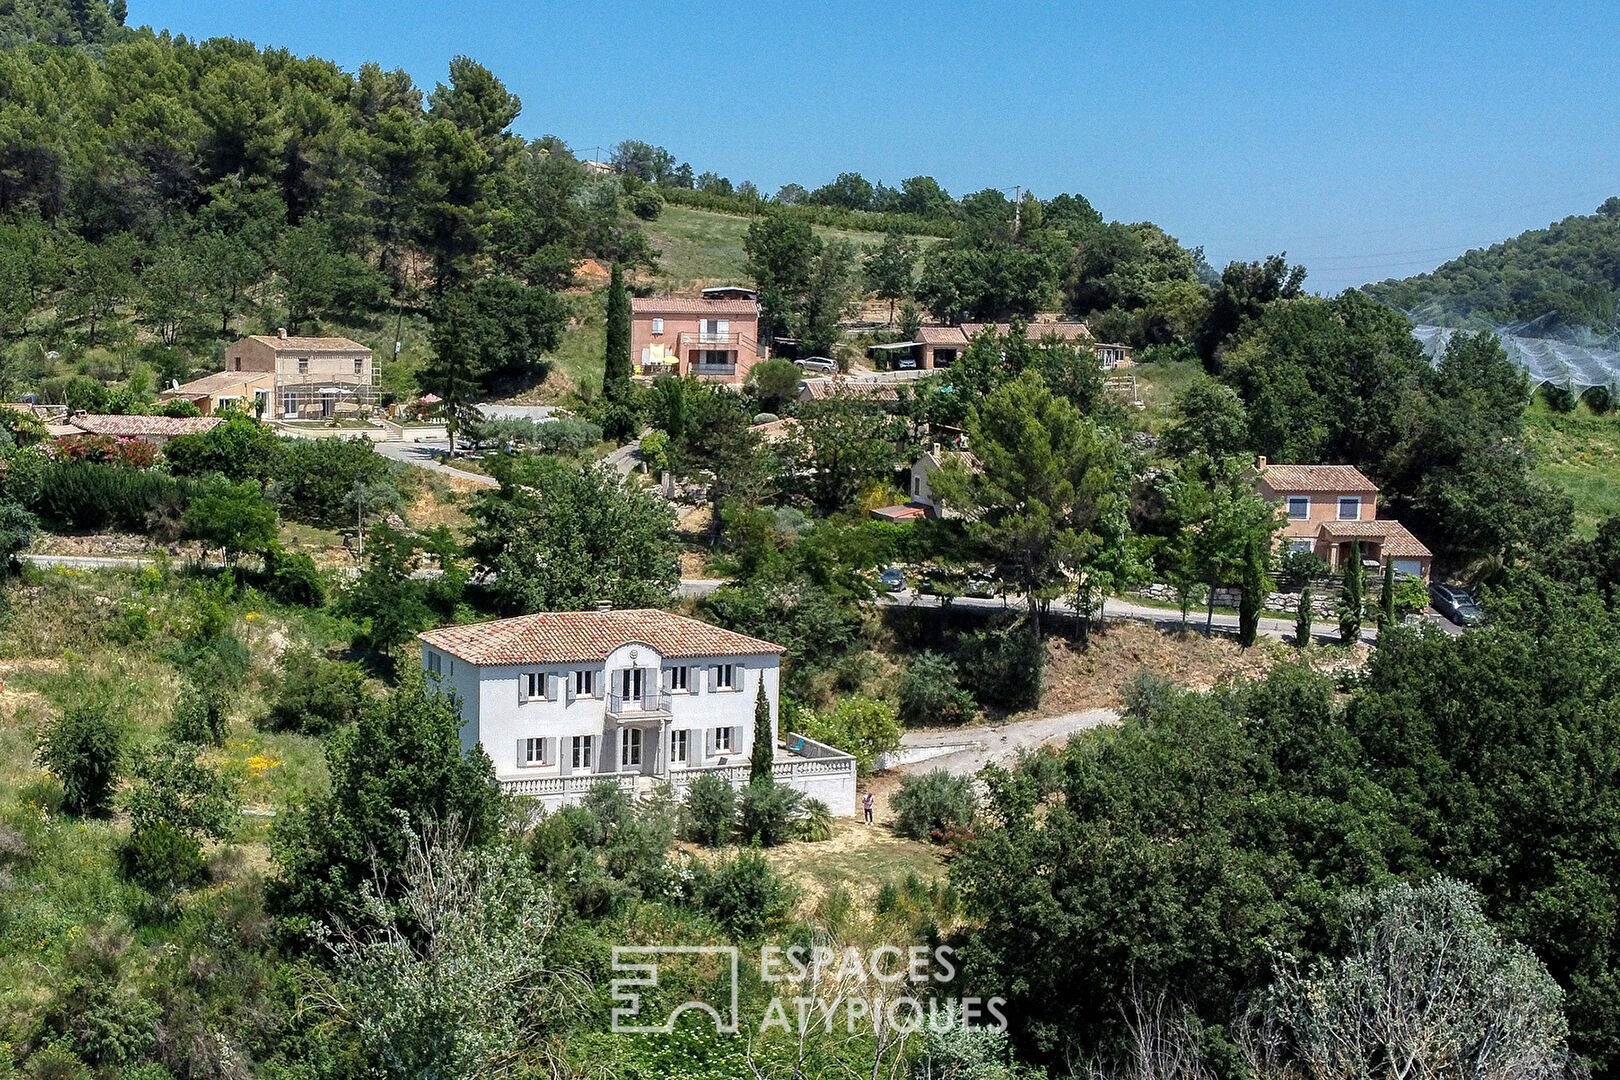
x=703, y=247
x=1580, y=452
x=1157, y=384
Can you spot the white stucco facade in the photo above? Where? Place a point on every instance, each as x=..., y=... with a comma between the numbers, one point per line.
x=553, y=728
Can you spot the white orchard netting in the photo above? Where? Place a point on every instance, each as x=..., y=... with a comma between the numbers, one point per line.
x=1548, y=360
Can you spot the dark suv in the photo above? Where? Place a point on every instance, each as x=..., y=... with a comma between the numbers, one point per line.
x=1456, y=604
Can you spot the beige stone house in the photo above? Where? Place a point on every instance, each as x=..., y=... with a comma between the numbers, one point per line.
x=313, y=377
x=249, y=391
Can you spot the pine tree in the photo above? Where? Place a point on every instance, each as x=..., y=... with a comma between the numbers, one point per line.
x=759, y=763
x=1302, y=621
x=616, y=371
x=1353, y=599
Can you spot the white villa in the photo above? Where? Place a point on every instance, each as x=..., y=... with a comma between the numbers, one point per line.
x=560, y=700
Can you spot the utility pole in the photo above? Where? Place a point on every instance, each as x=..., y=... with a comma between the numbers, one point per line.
x=1018, y=208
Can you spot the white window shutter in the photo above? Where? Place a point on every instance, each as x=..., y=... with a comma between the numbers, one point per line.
x=551, y=687
x=708, y=742
x=521, y=752
x=569, y=686
x=714, y=674
x=664, y=676
x=523, y=687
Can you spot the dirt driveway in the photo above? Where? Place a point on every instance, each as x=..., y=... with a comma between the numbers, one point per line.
x=963, y=751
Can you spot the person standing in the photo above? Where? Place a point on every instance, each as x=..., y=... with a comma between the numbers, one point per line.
x=866, y=806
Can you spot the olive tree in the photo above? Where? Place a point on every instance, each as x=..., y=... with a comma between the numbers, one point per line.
x=1427, y=988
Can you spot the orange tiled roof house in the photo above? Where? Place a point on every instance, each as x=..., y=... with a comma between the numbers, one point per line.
x=716, y=338
x=647, y=700
x=1327, y=508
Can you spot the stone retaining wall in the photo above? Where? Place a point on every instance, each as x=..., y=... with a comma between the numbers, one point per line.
x=1277, y=603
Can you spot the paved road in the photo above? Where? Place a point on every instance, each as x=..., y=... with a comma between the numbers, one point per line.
x=88, y=562
x=964, y=751
x=427, y=455
x=626, y=459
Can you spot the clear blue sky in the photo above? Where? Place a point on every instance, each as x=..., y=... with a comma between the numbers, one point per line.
x=1368, y=140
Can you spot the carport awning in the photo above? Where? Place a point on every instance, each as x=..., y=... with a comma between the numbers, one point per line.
x=897, y=345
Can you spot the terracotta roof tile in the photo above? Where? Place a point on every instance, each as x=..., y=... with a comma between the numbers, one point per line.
x=1394, y=538
x=1285, y=479
x=941, y=335
x=589, y=636
x=826, y=387
x=220, y=380
x=690, y=305
x=311, y=344
x=133, y=426
x=1035, y=331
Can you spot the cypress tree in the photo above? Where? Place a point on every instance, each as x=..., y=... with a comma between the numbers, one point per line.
x=1353, y=599
x=1302, y=621
x=1256, y=584
x=616, y=368
x=764, y=753
x=1386, y=598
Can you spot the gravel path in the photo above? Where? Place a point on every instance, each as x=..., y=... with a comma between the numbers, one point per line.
x=964, y=751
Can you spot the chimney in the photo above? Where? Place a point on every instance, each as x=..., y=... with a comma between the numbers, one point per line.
x=281, y=332
x=936, y=450
x=604, y=605
x=1261, y=463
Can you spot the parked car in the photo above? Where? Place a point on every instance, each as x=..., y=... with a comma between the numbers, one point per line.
x=892, y=579
x=819, y=364
x=906, y=363
x=1456, y=604
x=980, y=586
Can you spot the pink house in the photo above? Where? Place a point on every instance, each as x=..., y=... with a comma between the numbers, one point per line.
x=715, y=338
x=1327, y=508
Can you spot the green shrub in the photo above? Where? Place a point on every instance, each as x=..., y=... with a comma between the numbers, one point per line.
x=201, y=712
x=930, y=693
x=291, y=577
x=817, y=823
x=231, y=516
x=161, y=859
x=315, y=479
x=179, y=408
x=745, y=896
x=711, y=810
x=863, y=727
x=239, y=448
x=172, y=785
x=1003, y=667
x=766, y=812
x=933, y=806
x=81, y=496
x=314, y=695
x=84, y=750
x=571, y=435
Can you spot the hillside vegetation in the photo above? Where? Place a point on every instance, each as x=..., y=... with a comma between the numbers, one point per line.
x=698, y=247
x=1562, y=277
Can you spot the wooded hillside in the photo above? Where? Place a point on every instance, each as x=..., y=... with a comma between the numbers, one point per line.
x=1562, y=277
